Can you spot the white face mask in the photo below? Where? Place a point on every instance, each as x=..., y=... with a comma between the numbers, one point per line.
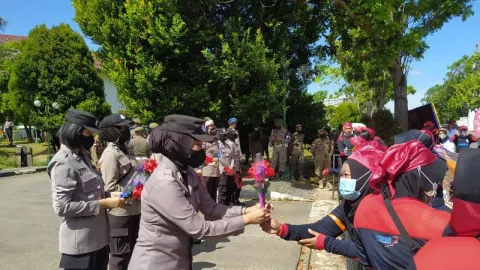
x=442, y=136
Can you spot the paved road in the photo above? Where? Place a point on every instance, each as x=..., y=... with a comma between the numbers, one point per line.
x=29, y=233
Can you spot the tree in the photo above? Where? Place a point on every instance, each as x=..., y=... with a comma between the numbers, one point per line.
x=3, y=23
x=345, y=112
x=391, y=34
x=206, y=58
x=460, y=90
x=54, y=65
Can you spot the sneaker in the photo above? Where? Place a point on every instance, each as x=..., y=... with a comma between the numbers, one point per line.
x=197, y=241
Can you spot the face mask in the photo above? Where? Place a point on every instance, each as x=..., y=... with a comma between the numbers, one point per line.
x=347, y=188
x=256, y=129
x=442, y=136
x=124, y=136
x=197, y=158
x=87, y=142
x=463, y=134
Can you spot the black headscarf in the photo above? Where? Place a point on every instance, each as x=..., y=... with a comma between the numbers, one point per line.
x=113, y=134
x=415, y=134
x=414, y=184
x=175, y=146
x=69, y=135
x=362, y=174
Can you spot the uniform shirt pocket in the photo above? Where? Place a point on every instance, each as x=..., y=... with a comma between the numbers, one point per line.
x=125, y=164
x=90, y=183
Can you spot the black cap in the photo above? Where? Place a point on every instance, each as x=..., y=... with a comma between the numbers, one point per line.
x=192, y=126
x=115, y=120
x=82, y=118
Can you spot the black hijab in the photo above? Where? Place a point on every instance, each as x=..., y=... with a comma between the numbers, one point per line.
x=415, y=134
x=362, y=174
x=113, y=134
x=69, y=135
x=414, y=183
x=175, y=146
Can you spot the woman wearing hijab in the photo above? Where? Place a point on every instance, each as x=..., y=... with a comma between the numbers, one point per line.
x=445, y=141
x=393, y=224
x=355, y=173
x=78, y=196
x=172, y=197
x=460, y=246
x=118, y=169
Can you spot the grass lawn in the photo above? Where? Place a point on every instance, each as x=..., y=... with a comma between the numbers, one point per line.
x=9, y=160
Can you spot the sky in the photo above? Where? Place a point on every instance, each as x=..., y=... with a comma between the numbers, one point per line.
x=449, y=44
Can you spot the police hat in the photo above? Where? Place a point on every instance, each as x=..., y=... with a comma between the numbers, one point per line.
x=153, y=125
x=115, y=120
x=138, y=129
x=192, y=126
x=82, y=118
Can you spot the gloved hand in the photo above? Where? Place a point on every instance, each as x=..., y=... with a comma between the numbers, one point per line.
x=325, y=172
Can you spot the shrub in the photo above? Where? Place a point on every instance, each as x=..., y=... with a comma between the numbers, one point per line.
x=384, y=124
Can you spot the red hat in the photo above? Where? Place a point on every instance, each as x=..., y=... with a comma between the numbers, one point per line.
x=429, y=125
x=368, y=154
x=398, y=159
x=347, y=124
x=463, y=128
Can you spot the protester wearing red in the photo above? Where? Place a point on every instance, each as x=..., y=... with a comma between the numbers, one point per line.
x=406, y=180
x=322, y=234
x=345, y=147
x=461, y=246
x=463, y=139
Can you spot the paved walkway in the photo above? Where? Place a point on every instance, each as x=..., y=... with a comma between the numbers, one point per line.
x=255, y=249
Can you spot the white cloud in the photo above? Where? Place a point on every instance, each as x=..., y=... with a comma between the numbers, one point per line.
x=415, y=72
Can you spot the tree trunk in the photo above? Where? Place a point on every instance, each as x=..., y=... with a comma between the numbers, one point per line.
x=381, y=96
x=28, y=130
x=400, y=93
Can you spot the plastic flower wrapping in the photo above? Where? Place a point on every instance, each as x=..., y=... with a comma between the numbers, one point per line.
x=261, y=171
x=451, y=159
x=134, y=188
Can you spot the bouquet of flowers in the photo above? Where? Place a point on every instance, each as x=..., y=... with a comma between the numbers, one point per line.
x=260, y=171
x=134, y=188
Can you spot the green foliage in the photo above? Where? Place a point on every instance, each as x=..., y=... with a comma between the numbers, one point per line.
x=384, y=124
x=460, y=90
x=206, y=58
x=320, y=96
x=3, y=23
x=345, y=112
x=54, y=65
x=389, y=35
x=308, y=113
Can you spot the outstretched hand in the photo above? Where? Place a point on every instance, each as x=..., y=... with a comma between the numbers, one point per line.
x=271, y=226
x=316, y=242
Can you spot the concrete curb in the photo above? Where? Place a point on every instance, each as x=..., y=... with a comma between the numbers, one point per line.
x=20, y=171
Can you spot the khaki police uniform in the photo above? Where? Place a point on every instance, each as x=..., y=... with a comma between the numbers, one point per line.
x=118, y=169
x=139, y=147
x=296, y=154
x=279, y=156
x=322, y=150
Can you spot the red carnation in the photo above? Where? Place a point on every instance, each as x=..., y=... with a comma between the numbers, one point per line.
x=208, y=160
x=228, y=171
x=150, y=166
x=137, y=192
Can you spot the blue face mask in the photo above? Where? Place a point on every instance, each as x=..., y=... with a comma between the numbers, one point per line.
x=347, y=188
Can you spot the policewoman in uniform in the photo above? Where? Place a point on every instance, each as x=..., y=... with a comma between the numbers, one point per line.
x=78, y=196
x=118, y=168
x=172, y=197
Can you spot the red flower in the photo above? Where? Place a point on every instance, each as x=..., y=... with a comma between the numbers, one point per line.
x=208, y=160
x=228, y=171
x=150, y=165
x=137, y=192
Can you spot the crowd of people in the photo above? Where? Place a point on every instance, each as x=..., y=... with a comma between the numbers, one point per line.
x=387, y=193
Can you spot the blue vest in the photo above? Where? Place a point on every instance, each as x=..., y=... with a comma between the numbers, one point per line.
x=463, y=142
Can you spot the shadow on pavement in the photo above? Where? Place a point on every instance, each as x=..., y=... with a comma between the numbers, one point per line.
x=209, y=245
x=203, y=265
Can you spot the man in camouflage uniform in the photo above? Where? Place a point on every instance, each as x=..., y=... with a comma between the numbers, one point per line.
x=295, y=151
x=279, y=156
x=321, y=150
x=139, y=145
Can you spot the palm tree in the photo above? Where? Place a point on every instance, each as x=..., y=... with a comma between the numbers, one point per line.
x=3, y=23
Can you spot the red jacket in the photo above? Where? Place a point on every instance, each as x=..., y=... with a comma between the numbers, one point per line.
x=446, y=253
